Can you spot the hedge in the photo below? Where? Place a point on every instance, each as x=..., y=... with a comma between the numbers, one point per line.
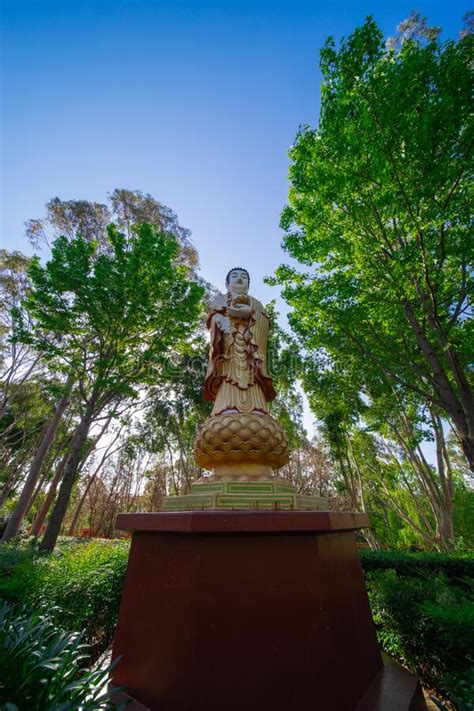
x=454, y=566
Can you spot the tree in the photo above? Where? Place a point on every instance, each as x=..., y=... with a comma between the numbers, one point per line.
x=22, y=427
x=39, y=457
x=171, y=420
x=17, y=361
x=405, y=425
x=26, y=393
x=109, y=318
x=377, y=433
x=68, y=218
x=90, y=219
x=379, y=212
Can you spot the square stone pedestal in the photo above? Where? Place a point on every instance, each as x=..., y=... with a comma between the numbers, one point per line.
x=247, y=610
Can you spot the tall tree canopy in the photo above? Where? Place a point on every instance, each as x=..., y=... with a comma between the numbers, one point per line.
x=109, y=320
x=124, y=208
x=379, y=213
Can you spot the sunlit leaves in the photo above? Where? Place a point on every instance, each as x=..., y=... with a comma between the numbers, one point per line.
x=378, y=216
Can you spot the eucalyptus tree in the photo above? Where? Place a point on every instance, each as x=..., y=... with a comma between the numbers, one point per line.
x=90, y=219
x=17, y=361
x=27, y=392
x=379, y=215
x=109, y=320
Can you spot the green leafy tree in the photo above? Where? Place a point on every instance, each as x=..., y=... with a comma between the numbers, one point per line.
x=379, y=212
x=124, y=208
x=169, y=427
x=16, y=361
x=377, y=435
x=26, y=389
x=111, y=319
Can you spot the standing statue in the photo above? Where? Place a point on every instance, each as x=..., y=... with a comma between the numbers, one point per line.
x=237, y=378
x=240, y=442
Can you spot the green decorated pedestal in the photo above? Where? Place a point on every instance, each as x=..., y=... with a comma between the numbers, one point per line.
x=276, y=494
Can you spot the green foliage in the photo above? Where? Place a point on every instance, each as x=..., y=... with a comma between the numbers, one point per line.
x=90, y=219
x=284, y=363
x=103, y=313
x=111, y=317
x=14, y=554
x=378, y=215
x=81, y=584
x=13, y=286
x=429, y=625
x=464, y=516
x=453, y=566
x=42, y=668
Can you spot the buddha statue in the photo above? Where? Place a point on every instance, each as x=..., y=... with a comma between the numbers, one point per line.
x=237, y=378
x=241, y=444
x=240, y=440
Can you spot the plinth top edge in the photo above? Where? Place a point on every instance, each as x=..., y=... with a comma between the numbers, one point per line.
x=243, y=521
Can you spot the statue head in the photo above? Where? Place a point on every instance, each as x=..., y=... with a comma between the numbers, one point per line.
x=237, y=280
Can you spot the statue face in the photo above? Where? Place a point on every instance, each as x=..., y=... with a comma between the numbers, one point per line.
x=238, y=282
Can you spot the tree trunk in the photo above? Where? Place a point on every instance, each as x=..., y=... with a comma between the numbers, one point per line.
x=78, y=510
x=446, y=528
x=56, y=519
x=467, y=445
x=57, y=478
x=93, y=476
x=39, y=520
x=366, y=532
x=458, y=405
x=15, y=520
x=444, y=517
x=36, y=493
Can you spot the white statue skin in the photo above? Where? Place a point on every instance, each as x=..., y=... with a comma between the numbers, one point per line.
x=237, y=285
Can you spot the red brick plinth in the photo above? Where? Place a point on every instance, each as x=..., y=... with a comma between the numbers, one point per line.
x=234, y=610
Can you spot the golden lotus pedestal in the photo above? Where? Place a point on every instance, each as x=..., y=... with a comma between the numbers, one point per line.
x=243, y=450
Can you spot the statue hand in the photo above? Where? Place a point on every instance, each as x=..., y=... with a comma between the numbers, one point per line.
x=222, y=322
x=239, y=311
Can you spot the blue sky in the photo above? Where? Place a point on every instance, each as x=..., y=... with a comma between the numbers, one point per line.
x=194, y=102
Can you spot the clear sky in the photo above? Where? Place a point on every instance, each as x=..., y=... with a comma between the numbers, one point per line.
x=193, y=101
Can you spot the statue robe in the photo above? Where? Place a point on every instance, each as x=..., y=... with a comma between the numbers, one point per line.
x=237, y=377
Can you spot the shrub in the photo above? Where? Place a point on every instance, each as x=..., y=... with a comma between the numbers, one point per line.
x=428, y=624
x=454, y=566
x=82, y=583
x=13, y=553
x=42, y=667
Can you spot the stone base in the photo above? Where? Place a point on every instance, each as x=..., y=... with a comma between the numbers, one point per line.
x=276, y=494
x=394, y=689
x=254, y=610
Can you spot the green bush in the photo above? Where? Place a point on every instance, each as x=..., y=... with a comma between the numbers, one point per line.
x=454, y=566
x=11, y=554
x=81, y=582
x=428, y=623
x=42, y=667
